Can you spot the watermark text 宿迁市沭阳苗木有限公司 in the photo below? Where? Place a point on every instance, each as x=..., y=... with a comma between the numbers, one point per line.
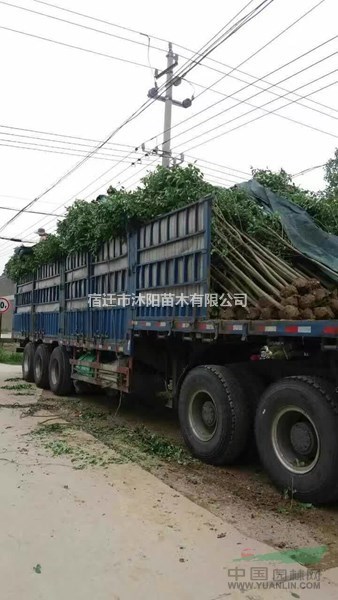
x=167, y=299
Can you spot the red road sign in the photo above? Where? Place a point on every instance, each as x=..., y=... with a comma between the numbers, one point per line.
x=4, y=304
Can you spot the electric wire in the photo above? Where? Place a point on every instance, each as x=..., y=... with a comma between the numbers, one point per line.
x=144, y=106
x=276, y=70
x=272, y=112
x=148, y=36
x=74, y=47
x=273, y=39
x=82, y=26
x=43, y=148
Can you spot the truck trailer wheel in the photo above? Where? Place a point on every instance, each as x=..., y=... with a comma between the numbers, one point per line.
x=214, y=414
x=60, y=381
x=28, y=362
x=41, y=366
x=297, y=437
x=252, y=384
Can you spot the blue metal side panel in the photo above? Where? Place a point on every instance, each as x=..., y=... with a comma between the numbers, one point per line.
x=47, y=323
x=99, y=277
x=22, y=324
x=76, y=323
x=173, y=258
x=37, y=303
x=110, y=324
x=22, y=318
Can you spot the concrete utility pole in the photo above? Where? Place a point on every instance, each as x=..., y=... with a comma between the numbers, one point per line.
x=168, y=109
x=172, y=62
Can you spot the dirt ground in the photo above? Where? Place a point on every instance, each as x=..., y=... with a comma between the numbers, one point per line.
x=99, y=499
x=150, y=437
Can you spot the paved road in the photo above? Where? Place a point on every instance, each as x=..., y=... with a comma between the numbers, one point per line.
x=112, y=534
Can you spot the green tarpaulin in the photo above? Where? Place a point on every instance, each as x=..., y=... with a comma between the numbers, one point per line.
x=302, y=232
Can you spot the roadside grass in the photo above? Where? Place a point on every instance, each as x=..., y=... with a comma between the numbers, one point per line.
x=153, y=444
x=138, y=444
x=10, y=358
x=18, y=387
x=79, y=456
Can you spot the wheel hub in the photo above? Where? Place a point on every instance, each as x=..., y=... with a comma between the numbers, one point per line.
x=203, y=416
x=295, y=439
x=302, y=438
x=38, y=367
x=208, y=413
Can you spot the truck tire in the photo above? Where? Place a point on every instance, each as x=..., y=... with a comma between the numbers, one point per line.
x=297, y=437
x=214, y=414
x=253, y=388
x=28, y=362
x=252, y=384
x=60, y=381
x=41, y=366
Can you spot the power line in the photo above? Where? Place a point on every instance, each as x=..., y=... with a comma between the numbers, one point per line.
x=253, y=83
x=270, y=112
x=136, y=113
x=249, y=58
x=270, y=41
x=308, y=170
x=196, y=159
x=13, y=197
x=222, y=179
x=151, y=36
x=218, y=183
x=278, y=95
x=45, y=224
x=69, y=150
x=207, y=49
x=296, y=121
x=127, y=146
x=74, y=47
x=64, y=136
x=133, y=175
x=220, y=39
x=43, y=148
x=86, y=27
x=98, y=20
x=33, y=212
x=187, y=68
x=15, y=240
x=221, y=171
x=216, y=41
x=262, y=91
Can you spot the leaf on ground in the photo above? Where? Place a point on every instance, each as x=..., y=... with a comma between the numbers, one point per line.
x=37, y=569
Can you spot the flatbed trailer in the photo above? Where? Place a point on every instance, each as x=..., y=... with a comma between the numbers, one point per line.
x=88, y=321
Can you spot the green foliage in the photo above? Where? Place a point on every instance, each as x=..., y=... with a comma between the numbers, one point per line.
x=321, y=206
x=45, y=251
x=331, y=176
x=18, y=266
x=10, y=358
x=88, y=224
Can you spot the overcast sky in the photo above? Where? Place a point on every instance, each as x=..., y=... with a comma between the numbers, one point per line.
x=60, y=90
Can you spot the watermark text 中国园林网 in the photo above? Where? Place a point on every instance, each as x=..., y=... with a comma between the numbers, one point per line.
x=167, y=299
x=263, y=578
